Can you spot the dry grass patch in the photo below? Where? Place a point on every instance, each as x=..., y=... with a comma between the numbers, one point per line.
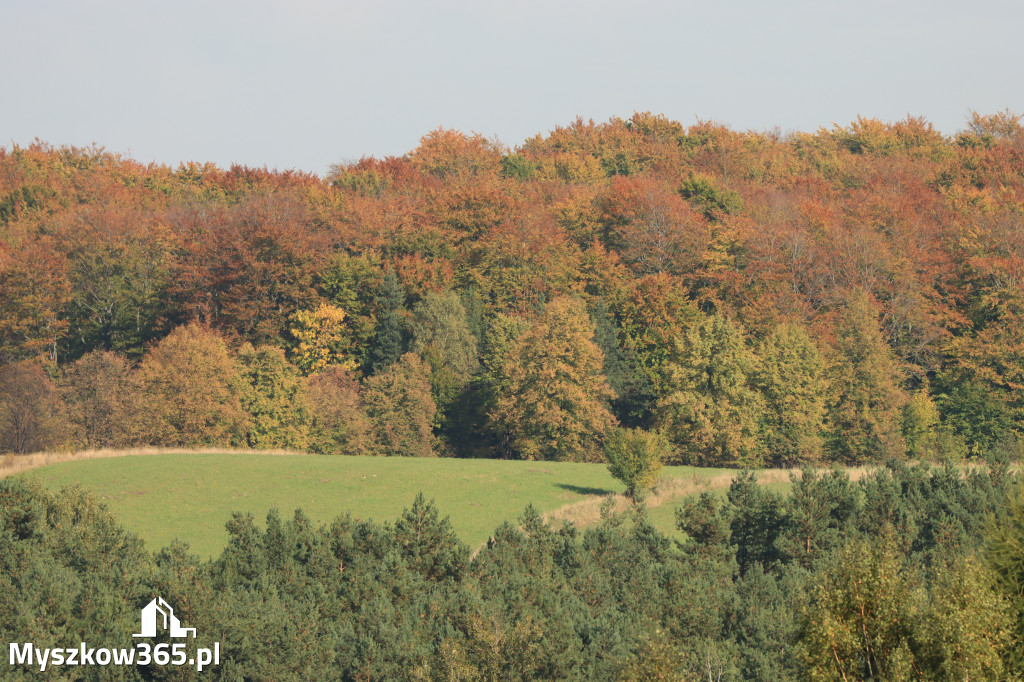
x=588, y=512
x=15, y=464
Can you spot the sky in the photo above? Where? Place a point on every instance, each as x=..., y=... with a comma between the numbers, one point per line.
x=306, y=84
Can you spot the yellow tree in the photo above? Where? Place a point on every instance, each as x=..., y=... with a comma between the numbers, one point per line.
x=192, y=390
x=320, y=339
x=553, y=397
x=710, y=410
x=867, y=416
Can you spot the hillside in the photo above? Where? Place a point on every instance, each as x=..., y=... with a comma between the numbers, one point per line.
x=191, y=496
x=846, y=295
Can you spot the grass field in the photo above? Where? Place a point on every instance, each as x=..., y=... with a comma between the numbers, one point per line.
x=191, y=496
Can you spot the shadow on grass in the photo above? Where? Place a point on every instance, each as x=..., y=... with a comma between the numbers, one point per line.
x=583, y=490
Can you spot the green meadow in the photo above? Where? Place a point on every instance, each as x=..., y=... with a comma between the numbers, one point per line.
x=190, y=497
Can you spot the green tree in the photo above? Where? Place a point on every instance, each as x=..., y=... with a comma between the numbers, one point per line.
x=927, y=437
x=500, y=338
x=401, y=409
x=757, y=518
x=968, y=627
x=862, y=616
x=470, y=430
x=115, y=294
x=272, y=398
x=820, y=512
x=705, y=196
x=390, y=341
x=429, y=544
x=1004, y=540
x=705, y=521
x=792, y=379
x=635, y=457
x=973, y=410
x=866, y=418
x=441, y=335
x=710, y=411
x=635, y=394
x=352, y=283
x=553, y=400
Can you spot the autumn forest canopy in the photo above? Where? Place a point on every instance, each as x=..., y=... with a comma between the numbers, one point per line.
x=850, y=295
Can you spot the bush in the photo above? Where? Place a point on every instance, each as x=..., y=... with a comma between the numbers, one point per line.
x=635, y=457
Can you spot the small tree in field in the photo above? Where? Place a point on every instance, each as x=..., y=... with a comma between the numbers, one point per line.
x=635, y=457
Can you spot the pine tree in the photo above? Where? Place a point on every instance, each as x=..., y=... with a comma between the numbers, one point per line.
x=429, y=544
x=553, y=399
x=710, y=410
x=389, y=343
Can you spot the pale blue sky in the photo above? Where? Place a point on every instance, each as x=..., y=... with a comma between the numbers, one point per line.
x=308, y=83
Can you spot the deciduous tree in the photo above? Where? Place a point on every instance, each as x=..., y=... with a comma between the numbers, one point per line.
x=635, y=457
x=31, y=416
x=441, y=335
x=101, y=394
x=867, y=414
x=710, y=411
x=271, y=396
x=401, y=409
x=320, y=339
x=792, y=379
x=553, y=400
x=192, y=390
x=338, y=425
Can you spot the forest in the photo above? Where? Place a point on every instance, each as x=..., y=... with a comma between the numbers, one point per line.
x=906, y=574
x=815, y=301
x=851, y=295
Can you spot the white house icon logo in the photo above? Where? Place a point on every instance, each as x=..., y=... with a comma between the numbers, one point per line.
x=160, y=611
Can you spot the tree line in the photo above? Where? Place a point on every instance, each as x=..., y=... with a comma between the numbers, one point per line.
x=907, y=573
x=848, y=295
